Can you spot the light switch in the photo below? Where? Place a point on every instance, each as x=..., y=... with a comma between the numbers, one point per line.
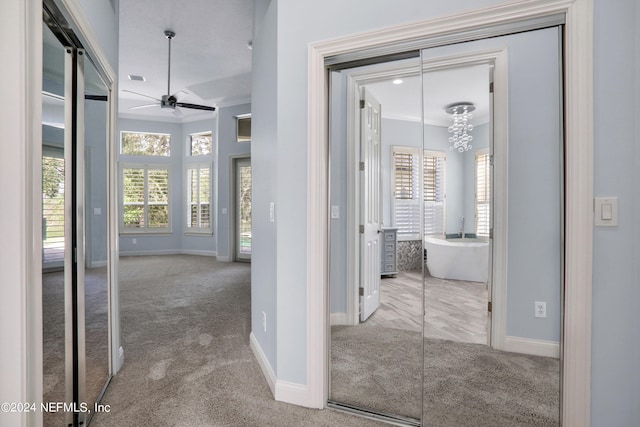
x=272, y=212
x=224, y=211
x=606, y=211
x=335, y=212
x=97, y=211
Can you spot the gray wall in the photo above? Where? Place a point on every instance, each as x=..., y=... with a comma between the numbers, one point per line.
x=96, y=191
x=228, y=148
x=615, y=387
x=264, y=159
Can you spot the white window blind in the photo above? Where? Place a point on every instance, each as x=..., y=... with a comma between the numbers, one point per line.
x=409, y=166
x=145, y=198
x=199, y=198
x=483, y=193
x=434, y=185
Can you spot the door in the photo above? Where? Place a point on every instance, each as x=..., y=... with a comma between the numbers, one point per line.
x=370, y=151
x=243, y=209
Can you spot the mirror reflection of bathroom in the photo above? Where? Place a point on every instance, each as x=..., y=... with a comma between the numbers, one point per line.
x=376, y=287
x=457, y=203
x=494, y=264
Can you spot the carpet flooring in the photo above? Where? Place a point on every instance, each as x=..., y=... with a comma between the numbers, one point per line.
x=186, y=322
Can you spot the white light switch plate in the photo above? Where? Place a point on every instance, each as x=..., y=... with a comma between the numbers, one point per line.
x=606, y=211
x=272, y=212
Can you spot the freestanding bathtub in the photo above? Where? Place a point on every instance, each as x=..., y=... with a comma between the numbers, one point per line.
x=458, y=259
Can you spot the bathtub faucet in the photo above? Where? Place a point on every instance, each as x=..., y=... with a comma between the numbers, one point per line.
x=462, y=227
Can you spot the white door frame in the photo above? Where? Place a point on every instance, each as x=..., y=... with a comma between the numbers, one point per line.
x=578, y=56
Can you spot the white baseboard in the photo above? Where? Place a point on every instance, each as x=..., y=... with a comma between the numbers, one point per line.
x=339, y=319
x=224, y=258
x=197, y=252
x=296, y=394
x=534, y=347
x=97, y=264
x=283, y=391
x=267, y=371
x=168, y=252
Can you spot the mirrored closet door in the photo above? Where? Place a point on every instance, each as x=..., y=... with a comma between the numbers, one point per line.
x=446, y=234
x=75, y=282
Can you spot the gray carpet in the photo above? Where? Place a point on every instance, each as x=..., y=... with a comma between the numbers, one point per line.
x=96, y=338
x=185, y=326
x=185, y=330
x=464, y=384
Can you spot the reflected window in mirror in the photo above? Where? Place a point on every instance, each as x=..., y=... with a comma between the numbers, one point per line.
x=483, y=193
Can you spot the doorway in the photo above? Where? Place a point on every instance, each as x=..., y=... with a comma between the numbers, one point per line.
x=439, y=224
x=242, y=208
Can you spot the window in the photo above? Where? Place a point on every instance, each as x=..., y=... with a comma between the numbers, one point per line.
x=243, y=128
x=483, y=193
x=200, y=144
x=145, y=198
x=145, y=144
x=407, y=193
x=199, y=198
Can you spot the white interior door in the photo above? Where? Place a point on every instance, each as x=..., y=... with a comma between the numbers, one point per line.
x=370, y=151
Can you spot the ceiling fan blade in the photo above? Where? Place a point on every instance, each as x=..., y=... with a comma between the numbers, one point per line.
x=140, y=94
x=137, y=107
x=195, y=106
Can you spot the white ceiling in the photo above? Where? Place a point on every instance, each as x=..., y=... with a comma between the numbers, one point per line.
x=210, y=60
x=211, y=64
x=441, y=88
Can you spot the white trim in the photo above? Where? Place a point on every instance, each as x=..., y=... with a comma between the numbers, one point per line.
x=576, y=369
x=296, y=394
x=267, y=370
x=532, y=346
x=97, y=264
x=169, y=252
x=340, y=318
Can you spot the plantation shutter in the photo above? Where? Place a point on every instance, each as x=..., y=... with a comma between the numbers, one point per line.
x=433, y=166
x=406, y=188
x=483, y=195
x=199, y=197
x=145, y=198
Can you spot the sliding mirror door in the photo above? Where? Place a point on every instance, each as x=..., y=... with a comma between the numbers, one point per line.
x=54, y=239
x=76, y=280
x=96, y=229
x=494, y=263
x=376, y=284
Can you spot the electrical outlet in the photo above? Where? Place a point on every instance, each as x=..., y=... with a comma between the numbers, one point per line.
x=134, y=241
x=540, y=309
x=264, y=321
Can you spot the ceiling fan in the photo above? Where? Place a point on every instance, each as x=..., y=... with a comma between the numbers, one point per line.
x=169, y=101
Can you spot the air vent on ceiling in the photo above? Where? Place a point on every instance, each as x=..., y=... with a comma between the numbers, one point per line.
x=136, y=78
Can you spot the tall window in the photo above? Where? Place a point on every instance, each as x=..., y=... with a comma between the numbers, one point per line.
x=145, y=198
x=483, y=193
x=407, y=194
x=199, y=198
x=144, y=195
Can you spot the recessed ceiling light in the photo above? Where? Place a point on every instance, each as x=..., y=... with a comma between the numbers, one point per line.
x=136, y=78
x=397, y=82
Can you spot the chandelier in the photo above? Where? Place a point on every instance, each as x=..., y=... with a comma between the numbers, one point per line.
x=460, y=115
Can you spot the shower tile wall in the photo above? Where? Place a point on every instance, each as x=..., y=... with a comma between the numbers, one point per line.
x=409, y=255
